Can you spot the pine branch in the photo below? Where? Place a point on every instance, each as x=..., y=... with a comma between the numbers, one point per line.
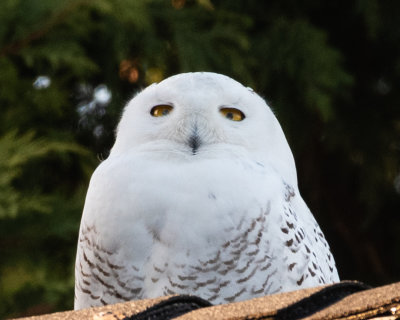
x=56, y=19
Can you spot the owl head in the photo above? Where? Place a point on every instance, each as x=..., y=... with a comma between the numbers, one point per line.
x=203, y=115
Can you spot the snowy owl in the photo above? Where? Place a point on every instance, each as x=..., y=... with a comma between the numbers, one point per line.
x=198, y=196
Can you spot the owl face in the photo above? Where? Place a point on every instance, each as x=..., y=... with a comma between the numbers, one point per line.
x=202, y=115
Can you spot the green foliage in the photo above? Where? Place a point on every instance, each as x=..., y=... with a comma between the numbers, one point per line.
x=301, y=56
x=330, y=71
x=16, y=153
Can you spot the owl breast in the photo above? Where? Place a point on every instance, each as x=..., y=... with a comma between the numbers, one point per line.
x=182, y=231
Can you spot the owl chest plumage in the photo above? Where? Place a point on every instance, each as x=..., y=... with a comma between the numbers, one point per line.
x=223, y=230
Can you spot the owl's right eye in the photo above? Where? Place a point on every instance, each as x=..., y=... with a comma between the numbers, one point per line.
x=161, y=110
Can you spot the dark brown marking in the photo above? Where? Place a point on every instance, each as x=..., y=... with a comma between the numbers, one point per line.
x=232, y=298
x=229, y=262
x=109, y=286
x=87, y=275
x=86, y=282
x=191, y=278
x=290, y=225
x=134, y=268
x=237, y=244
x=291, y=266
x=85, y=239
x=261, y=218
x=225, y=271
x=176, y=285
x=253, y=291
x=239, y=251
x=212, y=298
x=300, y=281
x=212, y=261
x=267, y=280
x=215, y=290
x=87, y=229
x=137, y=278
x=252, y=226
x=226, y=244
x=289, y=191
x=258, y=239
x=120, y=296
x=265, y=267
x=114, y=266
x=96, y=254
x=205, y=270
x=253, y=253
x=263, y=259
x=285, y=230
x=248, y=277
x=168, y=291
x=87, y=260
x=159, y=270
x=107, y=274
x=245, y=267
x=102, y=249
x=135, y=291
x=87, y=291
x=289, y=243
x=204, y=283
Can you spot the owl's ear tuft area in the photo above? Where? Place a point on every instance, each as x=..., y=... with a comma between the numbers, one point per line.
x=251, y=90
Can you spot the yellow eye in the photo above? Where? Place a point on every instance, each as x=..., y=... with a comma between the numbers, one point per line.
x=161, y=110
x=232, y=114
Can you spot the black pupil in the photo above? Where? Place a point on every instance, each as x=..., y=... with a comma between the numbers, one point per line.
x=165, y=112
x=229, y=115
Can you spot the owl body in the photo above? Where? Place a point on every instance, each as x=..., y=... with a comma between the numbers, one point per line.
x=192, y=202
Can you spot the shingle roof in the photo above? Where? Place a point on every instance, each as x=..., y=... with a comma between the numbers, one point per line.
x=345, y=300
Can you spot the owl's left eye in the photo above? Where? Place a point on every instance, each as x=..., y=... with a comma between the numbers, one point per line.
x=161, y=110
x=232, y=114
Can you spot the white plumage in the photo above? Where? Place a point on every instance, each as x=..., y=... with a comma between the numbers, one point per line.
x=198, y=196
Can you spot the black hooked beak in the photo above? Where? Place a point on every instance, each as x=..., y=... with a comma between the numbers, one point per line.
x=194, y=141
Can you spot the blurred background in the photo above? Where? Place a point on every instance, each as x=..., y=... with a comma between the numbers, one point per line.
x=329, y=69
